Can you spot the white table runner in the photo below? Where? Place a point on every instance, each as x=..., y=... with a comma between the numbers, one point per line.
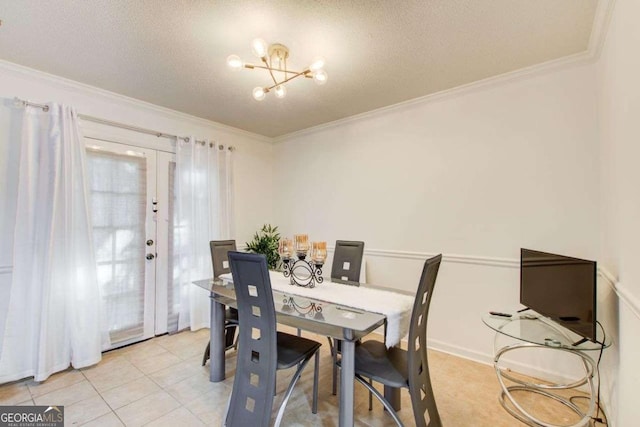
x=396, y=307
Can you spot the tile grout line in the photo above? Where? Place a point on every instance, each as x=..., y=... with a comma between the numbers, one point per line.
x=113, y=411
x=100, y=395
x=146, y=376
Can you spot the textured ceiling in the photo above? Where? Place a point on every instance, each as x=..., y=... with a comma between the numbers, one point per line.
x=378, y=52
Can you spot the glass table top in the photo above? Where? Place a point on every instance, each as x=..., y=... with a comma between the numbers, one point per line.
x=305, y=313
x=537, y=329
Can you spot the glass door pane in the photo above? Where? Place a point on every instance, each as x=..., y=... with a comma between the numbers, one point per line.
x=122, y=191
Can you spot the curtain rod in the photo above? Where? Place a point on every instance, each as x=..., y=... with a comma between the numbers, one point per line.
x=24, y=103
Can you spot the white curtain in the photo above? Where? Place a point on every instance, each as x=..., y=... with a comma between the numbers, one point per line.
x=204, y=209
x=54, y=308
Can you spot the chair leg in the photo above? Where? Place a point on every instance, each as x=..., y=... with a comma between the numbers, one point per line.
x=316, y=369
x=330, y=344
x=207, y=353
x=370, y=395
x=235, y=343
x=287, y=394
x=381, y=398
x=226, y=411
x=229, y=336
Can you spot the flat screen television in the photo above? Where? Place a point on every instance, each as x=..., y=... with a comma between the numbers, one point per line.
x=561, y=288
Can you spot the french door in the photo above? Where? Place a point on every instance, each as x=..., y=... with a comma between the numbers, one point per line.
x=131, y=205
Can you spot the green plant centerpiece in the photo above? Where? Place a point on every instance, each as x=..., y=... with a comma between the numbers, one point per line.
x=265, y=242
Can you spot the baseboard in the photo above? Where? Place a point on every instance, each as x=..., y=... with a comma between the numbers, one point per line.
x=487, y=359
x=458, y=351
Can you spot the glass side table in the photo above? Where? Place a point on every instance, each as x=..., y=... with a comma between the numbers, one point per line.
x=531, y=330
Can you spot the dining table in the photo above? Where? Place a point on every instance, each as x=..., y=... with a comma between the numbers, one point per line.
x=345, y=311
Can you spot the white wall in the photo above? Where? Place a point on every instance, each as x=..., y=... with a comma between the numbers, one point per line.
x=482, y=173
x=619, y=104
x=476, y=176
x=252, y=159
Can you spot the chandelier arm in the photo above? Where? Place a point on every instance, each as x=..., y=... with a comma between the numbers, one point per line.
x=301, y=73
x=252, y=66
x=264, y=59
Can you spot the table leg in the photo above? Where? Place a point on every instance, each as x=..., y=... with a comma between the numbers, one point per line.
x=217, y=338
x=347, y=378
x=392, y=395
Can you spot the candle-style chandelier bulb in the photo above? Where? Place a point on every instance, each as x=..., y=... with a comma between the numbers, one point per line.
x=317, y=64
x=259, y=48
x=320, y=77
x=258, y=94
x=234, y=62
x=281, y=91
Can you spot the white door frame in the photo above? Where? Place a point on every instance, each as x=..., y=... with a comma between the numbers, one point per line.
x=155, y=284
x=164, y=160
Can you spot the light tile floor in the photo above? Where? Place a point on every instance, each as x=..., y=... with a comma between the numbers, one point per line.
x=161, y=382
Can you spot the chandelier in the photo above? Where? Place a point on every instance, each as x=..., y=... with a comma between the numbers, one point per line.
x=274, y=59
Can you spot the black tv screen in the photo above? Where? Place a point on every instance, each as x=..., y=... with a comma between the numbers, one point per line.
x=561, y=288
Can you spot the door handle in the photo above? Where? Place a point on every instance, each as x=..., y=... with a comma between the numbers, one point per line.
x=150, y=256
x=149, y=242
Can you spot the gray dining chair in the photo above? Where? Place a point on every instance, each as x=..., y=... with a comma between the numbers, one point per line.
x=220, y=263
x=346, y=267
x=409, y=368
x=262, y=350
x=347, y=260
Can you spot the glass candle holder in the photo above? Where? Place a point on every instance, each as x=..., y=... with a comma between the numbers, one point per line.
x=285, y=248
x=319, y=252
x=301, y=243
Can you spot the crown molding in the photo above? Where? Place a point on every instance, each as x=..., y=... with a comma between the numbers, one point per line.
x=490, y=82
x=83, y=88
x=600, y=27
